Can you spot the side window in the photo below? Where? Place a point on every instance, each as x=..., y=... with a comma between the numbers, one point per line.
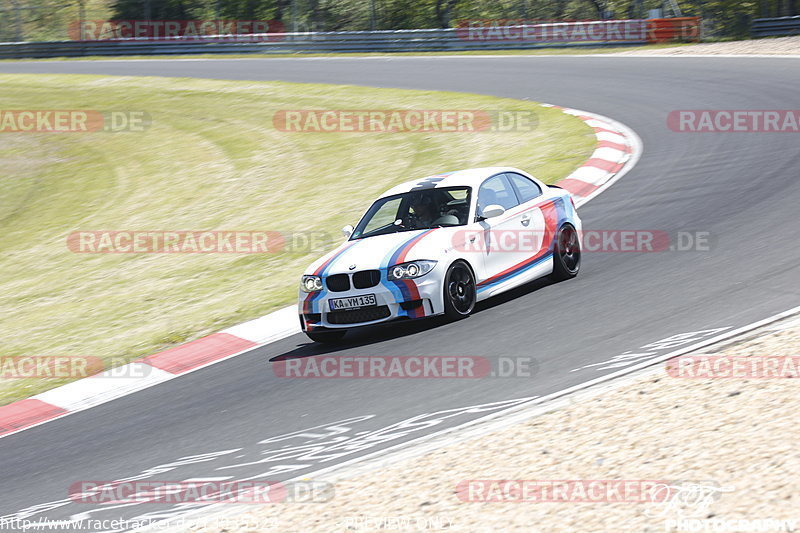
x=527, y=189
x=496, y=190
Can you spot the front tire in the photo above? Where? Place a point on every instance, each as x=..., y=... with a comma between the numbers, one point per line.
x=326, y=337
x=459, y=291
x=566, y=254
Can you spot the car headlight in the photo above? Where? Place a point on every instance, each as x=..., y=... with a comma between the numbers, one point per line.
x=311, y=284
x=411, y=270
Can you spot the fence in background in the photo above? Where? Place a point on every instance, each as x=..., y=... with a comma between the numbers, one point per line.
x=573, y=34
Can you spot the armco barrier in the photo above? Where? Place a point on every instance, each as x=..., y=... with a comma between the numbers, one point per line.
x=571, y=34
x=775, y=27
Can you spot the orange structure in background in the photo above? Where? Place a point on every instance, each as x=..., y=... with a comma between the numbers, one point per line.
x=673, y=29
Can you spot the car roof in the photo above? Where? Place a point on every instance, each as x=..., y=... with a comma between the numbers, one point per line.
x=471, y=177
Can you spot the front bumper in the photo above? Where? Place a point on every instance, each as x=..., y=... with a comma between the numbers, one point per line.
x=417, y=298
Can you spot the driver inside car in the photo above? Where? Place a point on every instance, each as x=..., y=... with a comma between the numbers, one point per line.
x=423, y=211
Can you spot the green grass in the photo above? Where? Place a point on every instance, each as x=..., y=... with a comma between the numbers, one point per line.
x=210, y=160
x=529, y=52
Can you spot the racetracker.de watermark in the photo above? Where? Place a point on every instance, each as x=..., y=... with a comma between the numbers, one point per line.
x=734, y=121
x=22, y=367
x=403, y=121
x=179, y=30
x=63, y=367
x=734, y=367
x=405, y=367
x=72, y=121
x=196, y=242
x=536, y=31
x=590, y=240
x=563, y=491
x=256, y=492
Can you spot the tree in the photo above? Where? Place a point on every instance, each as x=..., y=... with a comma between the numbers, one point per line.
x=443, y=10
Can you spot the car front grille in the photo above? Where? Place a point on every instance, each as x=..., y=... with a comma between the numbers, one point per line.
x=338, y=283
x=366, y=279
x=355, y=316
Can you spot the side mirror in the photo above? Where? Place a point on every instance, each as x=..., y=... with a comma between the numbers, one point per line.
x=347, y=231
x=494, y=210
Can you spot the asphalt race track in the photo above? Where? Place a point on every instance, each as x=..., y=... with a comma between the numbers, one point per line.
x=742, y=188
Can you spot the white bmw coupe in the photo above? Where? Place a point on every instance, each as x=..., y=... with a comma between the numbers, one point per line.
x=438, y=245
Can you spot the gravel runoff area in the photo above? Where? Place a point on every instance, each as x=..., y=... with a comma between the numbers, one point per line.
x=735, y=438
x=772, y=46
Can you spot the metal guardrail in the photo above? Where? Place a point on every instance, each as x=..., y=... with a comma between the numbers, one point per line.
x=774, y=27
x=435, y=40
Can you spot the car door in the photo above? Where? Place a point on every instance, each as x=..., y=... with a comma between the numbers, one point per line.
x=501, y=245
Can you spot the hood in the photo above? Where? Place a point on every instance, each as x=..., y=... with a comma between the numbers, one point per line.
x=383, y=251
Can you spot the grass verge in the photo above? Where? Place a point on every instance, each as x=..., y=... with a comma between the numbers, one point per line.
x=210, y=159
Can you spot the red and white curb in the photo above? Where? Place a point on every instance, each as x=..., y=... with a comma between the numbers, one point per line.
x=148, y=371
x=617, y=151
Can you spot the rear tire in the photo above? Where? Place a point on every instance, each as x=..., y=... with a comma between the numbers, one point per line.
x=459, y=291
x=566, y=254
x=326, y=337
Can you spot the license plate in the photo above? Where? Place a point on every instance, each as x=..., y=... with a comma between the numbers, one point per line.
x=354, y=302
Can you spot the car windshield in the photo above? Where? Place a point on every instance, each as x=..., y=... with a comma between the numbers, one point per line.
x=416, y=209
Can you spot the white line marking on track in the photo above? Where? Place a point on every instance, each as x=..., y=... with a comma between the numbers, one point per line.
x=486, y=424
